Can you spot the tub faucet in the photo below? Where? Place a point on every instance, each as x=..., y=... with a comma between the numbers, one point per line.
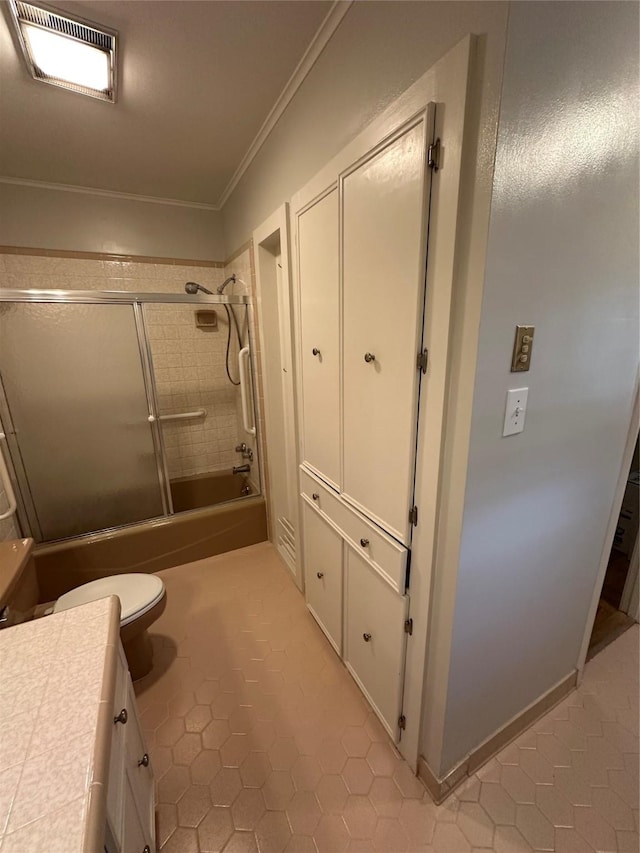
x=241, y=469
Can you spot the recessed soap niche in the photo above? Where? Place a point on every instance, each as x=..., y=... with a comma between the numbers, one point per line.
x=207, y=319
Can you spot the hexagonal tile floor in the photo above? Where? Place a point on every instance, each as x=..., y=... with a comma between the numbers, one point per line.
x=261, y=741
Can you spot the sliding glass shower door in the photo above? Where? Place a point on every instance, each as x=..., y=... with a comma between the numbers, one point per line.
x=76, y=413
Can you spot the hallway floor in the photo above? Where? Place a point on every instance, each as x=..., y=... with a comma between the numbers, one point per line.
x=261, y=741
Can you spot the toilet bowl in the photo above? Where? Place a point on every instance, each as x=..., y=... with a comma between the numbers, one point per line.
x=142, y=600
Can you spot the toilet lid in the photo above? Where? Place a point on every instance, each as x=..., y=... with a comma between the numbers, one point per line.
x=138, y=593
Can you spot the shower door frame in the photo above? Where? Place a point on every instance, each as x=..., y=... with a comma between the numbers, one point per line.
x=26, y=510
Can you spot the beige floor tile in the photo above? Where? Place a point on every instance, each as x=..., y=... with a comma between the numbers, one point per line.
x=262, y=743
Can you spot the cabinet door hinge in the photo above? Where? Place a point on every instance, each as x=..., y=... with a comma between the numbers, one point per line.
x=402, y=722
x=408, y=626
x=423, y=360
x=413, y=516
x=433, y=155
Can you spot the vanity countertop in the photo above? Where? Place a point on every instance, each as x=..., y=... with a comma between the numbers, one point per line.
x=57, y=683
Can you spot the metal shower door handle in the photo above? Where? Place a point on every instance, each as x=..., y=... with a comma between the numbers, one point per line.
x=243, y=360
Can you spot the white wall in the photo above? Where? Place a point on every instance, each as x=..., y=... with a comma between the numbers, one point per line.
x=562, y=256
x=41, y=218
x=378, y=50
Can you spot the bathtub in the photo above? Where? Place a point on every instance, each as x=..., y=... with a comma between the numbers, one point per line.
x=151, y=545
x=203, y=490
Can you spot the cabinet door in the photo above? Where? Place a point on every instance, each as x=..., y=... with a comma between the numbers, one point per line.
x=385, y=223
x=323, y=574
x=320, y=336
x=134, y=837
x=375, y=639
x=139, y=771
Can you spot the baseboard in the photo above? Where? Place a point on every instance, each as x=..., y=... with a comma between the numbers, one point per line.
x=441, y=788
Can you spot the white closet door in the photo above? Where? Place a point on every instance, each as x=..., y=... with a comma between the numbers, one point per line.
x=384, y=234
x=320, y=336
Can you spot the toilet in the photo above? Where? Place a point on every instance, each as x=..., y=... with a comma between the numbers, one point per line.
x=142, y=600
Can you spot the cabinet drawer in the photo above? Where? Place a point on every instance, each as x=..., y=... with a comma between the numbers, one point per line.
x=385, y=555
x=323, y=574
x=375, y=639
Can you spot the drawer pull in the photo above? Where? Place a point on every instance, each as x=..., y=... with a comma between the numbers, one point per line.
x=122, y=717
x=315, y=351
x=315, y=496
x=366, y=638
x=369, y=357
x=144, y=761
x=319, y=575
x=364, y=542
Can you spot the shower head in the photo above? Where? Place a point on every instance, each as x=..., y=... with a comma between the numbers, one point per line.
x=221, y=287
x=193, y=287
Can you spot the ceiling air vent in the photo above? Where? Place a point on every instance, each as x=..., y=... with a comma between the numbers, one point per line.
x=66, y=51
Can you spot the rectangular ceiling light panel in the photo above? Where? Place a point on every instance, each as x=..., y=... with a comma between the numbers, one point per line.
x=67, y=52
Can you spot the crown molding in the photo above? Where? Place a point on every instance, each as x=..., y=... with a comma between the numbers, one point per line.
x=70, y=188
x=324, y=32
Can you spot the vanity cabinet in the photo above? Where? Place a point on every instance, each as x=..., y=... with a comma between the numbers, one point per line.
x=130, y=792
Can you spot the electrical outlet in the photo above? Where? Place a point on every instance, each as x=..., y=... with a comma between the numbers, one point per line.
x=515, y=412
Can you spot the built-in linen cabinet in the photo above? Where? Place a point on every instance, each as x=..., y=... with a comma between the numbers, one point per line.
x=360, y=231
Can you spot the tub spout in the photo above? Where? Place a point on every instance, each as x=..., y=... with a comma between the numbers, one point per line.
x=241, y=469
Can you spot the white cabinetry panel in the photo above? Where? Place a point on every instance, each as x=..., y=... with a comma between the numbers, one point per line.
x=323, y=574
x=320, y=332
x=375, y=638
x=384, y=237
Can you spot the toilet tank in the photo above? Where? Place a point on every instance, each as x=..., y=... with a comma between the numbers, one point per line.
x=18, y=582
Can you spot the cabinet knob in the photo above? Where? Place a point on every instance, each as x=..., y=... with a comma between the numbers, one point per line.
x=364, y=542
x=144, y=761
x=369, y=357
x=315, y=351
x=146, y=849
x=315, y=496
x=366, y=637
x=122, y=717
x=319, y=575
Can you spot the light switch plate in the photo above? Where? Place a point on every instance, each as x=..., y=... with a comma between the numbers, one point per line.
x=516, y=410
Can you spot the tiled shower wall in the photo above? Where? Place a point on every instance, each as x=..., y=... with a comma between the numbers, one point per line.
x=189, y=361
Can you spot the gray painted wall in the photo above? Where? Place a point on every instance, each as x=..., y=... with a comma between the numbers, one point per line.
x=377, y=52
x=42, y=218
x=563, y=256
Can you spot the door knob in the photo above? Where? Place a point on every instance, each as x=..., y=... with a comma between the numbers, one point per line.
x=144, y=761
x=369, y=357
x=122, y=717
x=315, y=351
x=319, y=575
x=366, y=637
x=364, y=542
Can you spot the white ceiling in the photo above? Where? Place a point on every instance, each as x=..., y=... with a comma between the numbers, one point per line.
x=196, y=82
